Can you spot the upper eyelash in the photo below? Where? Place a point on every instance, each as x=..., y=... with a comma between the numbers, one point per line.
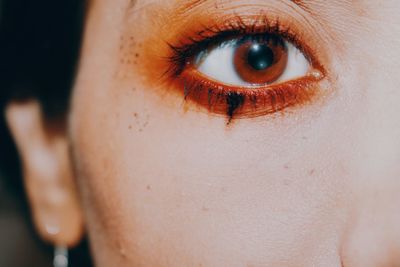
x=187, y=48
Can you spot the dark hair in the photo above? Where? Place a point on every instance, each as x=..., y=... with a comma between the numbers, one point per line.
x=40, y=43
x=39, y=52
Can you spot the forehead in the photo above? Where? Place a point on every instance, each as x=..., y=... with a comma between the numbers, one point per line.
x=380, y=11
x=193, y=4
x=331, y=12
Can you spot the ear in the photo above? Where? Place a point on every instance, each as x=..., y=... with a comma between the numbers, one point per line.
x=47, y=171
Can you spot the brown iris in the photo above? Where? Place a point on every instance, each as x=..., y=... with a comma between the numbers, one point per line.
x=261, y=60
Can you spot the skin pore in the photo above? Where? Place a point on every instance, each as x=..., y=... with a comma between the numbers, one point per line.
x=158, y=180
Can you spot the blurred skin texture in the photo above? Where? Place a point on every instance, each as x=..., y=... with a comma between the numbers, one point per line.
x=159, y=181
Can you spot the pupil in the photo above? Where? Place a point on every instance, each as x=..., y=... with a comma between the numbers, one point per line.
x=260, y=56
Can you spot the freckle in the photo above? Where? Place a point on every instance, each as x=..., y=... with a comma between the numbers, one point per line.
x=136, y=55
x=205, y=209
x=133, y=89
x=130, y=127
x=148, y=187
x=286, y=167
x=140, y=130
x=129, y=61
x=135, y=114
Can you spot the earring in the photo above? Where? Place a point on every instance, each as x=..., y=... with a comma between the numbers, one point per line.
x=60, y=256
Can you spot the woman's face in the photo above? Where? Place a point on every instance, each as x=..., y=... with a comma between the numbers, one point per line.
x=188, y=154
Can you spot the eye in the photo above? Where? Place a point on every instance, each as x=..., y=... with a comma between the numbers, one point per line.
x=245, y=68
x=252, y=61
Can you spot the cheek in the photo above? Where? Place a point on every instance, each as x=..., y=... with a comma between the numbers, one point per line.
x=157, y=180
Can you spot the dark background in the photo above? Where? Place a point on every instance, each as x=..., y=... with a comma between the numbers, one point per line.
x=39, y=50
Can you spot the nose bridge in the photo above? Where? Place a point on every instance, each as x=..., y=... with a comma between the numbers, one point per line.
x=376, y=56
x=373, y=228
x=382, y=133
x=373, y=231
x=378, y=159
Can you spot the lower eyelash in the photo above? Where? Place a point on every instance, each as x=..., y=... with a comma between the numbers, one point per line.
x=246, y=102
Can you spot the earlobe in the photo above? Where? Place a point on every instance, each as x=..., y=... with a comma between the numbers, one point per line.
x=47, y=172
